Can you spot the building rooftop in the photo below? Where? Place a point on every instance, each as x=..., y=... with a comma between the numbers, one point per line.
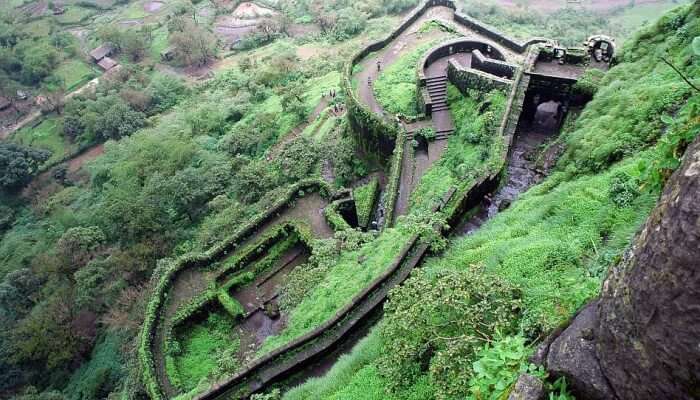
x=107, y=63
x=101, y=52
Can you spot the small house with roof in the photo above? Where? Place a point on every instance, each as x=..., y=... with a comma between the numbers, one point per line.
x=101, y=52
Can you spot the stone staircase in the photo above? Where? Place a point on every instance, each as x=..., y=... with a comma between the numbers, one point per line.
x=437, y=89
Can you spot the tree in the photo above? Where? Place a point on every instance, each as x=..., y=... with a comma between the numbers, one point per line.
x=38, y=60
x=298, y=159
x=119, y=120
x=458, y=312
x=134, y=43
x=78, y=244
x=293, y=100
x=53, y=91
x=349, y=23
x=193, y=45
x=111, y=34
x=268, y=29
x=18, y=164
x=639, y=340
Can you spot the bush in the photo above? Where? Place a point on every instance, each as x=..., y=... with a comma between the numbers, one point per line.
x=497, y=367
x=440, y=334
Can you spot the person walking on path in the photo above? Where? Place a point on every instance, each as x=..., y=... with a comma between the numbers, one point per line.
x=379, y=65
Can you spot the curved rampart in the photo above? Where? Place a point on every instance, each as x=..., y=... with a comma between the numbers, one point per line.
x=165, y=275
x=375, y=131
x=454, y=46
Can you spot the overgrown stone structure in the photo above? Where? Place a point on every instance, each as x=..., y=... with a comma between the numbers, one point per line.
x=479, y=60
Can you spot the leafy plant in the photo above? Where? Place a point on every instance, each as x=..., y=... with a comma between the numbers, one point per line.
x=497, y=367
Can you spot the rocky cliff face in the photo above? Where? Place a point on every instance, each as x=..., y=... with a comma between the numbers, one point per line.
x=648, y=331
x=641, y=339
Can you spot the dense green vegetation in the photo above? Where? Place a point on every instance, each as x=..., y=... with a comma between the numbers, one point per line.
x=365, y=199
x=186, y=164
x=473, y=148
x=201, y=346
x=395, y=89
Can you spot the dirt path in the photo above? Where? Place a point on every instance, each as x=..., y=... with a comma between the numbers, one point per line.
x=297, y=131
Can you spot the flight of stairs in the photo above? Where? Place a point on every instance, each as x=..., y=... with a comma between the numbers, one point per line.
x=437, y=89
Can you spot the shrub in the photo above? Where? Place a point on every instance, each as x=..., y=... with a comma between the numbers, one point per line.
x=497, y=367
x=440, y=334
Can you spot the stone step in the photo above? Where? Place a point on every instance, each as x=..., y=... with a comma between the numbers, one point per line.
x=441, y=108
x=442, y=78
x=436, y=86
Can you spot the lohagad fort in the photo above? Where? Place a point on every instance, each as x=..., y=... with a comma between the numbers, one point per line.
x=538, y=80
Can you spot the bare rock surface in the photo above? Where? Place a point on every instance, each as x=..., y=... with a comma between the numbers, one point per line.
x=573, y=356
x=527, y=387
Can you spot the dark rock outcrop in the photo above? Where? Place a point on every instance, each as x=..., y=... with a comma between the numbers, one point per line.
x=642, y=338
x=573, y=356
x=649, y=313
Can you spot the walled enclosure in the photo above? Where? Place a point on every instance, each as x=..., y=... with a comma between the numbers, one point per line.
x=375, y=132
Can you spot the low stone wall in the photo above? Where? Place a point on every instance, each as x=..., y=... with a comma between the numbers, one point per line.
x=287, y=360
x=468, y=78
x=490, y=66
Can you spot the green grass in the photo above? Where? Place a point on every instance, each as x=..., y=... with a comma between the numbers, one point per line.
x=327, y=127
x=37, y=28
x=47, y=136
x=348, y=277
x=200, y=344
x=160, y=42
x=549, y=241
x=473, y=148
x=395, y=89
x=74, y=74
x=365, y=198
x=74, y=15
x=135, y=11
x=318, y=86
